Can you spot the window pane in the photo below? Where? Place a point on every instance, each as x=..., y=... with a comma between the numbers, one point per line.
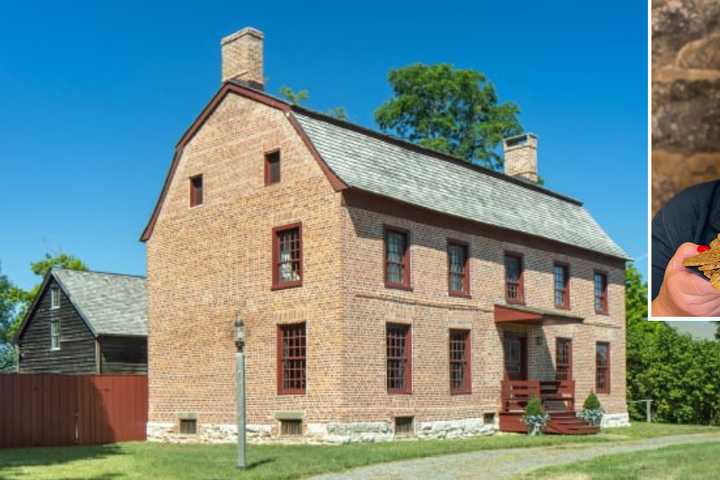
x=272, y=161
x=395, y=253
x=560, y=273
x=293, y=358
x=397, y=358
x=457, y=264
x=459, y=371
x=289, y=255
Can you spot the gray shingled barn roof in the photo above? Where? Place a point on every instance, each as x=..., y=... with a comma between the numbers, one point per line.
x=112, y=304
x=376, y=165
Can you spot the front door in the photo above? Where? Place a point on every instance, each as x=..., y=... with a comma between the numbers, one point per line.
x=515, y=349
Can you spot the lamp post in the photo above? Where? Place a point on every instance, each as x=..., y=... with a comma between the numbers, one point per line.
x=240, y=389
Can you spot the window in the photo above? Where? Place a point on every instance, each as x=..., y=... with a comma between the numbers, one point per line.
x=291, y=427
x=460, y=362
x=54, y=334
x=188, y=426
x=399, y=359
x=458, y=271
x=287, y=256
x=602, y=367
x=488, y=418
x=562, y=285
x=514, y=291
x=601, y=300
x=291, y=359
x=54, y=298
x=272, y=167
x=397, y=259
x=404, y=425
x=563, y=359
x=196, y=190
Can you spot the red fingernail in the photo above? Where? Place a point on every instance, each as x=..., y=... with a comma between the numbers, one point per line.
x=703, y=248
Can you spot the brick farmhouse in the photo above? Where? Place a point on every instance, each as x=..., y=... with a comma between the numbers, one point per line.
x=386, y=289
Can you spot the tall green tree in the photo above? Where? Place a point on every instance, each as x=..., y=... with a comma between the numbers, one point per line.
x=454, y=111
x=7, y=314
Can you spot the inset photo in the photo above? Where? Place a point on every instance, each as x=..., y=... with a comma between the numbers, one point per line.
x=685, y=163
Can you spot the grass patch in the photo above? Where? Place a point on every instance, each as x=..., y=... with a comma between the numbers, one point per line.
x=679, y=462
x=129, y=461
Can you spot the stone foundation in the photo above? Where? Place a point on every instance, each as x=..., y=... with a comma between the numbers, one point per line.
x=330, y=433
x=612, y=420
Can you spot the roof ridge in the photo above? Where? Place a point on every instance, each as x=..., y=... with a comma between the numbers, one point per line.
x=428, y=151
x=56, y=269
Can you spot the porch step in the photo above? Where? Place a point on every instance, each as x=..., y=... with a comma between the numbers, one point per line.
x=561, y=422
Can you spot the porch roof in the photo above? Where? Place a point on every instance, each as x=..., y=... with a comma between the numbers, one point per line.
x=524, y=314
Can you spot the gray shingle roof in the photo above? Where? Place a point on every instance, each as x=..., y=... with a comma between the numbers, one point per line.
x=379, y=166
x=112, y=304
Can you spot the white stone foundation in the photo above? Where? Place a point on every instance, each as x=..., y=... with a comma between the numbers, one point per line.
x=612, y=420
x=332, y=433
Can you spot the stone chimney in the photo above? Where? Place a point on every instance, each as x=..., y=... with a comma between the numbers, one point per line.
x=242, y=57
x=521, y=156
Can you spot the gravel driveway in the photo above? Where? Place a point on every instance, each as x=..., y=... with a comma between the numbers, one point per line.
x=499, y=464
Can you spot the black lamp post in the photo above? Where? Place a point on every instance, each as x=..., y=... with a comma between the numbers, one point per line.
x=240, y=389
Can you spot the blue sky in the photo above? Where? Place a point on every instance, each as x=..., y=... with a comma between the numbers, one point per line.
x=95, y=95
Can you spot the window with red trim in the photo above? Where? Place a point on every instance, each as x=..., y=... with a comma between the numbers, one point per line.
x=458, y=271
x=602, y=367
x=460, y=379
x=196, y=190
x=291, y=359
x=287, y=256
x=397, y=259
x=399, y=359
x=562, y=285
x=563, y=359
x=601, y=295
x=272, y=167
x=514, y=288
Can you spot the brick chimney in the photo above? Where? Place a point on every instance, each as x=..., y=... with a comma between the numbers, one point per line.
x=521, y=156
x=242, y=57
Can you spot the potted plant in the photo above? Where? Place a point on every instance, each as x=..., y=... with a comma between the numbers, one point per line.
x=535, y=416
x=592, y=411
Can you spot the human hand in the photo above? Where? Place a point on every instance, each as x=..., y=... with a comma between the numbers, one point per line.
x=684, y=293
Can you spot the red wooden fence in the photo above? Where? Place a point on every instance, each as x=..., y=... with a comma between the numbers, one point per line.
x=54, y=410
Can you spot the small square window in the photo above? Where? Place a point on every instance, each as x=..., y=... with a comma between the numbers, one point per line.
x=54, y=298
x=272, y=167
x=489, y=418
x=291, y=427
x=188, y=426
x=404, y=426
x=196, y=190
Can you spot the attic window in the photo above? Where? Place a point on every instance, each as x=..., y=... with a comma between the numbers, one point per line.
x=196, y=190
x=272, y=167
x=54, y=298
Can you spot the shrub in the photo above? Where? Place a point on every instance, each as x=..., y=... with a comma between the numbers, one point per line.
x=592, y=411
x=535, y=417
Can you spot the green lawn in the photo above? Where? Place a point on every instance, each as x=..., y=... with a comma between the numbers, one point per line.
x=210, y=462
x=680, y=462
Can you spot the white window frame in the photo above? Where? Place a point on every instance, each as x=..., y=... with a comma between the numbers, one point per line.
x=54, y=298
x=55, y=334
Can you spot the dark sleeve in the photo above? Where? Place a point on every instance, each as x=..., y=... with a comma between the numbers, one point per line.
x=683, y=219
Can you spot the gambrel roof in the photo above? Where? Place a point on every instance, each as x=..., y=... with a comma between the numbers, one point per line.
x=110, y=304
x=352, y=156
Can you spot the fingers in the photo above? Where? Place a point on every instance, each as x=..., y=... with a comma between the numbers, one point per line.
x=684, y=251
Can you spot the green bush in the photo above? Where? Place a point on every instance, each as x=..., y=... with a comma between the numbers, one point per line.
x=534, y=407
x=592, y=402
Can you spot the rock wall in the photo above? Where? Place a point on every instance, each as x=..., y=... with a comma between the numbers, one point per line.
x=685, y=95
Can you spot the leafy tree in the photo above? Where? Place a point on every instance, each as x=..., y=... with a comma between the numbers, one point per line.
x=296, y=98
x=338, y=112
x=7, y=311
x=678, y=373
x=450, y=110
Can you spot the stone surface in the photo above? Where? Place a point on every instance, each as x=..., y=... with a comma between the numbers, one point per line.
x=614, y=420
x=685, y=95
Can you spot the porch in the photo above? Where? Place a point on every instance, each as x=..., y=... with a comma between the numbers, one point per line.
x=553, y=383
